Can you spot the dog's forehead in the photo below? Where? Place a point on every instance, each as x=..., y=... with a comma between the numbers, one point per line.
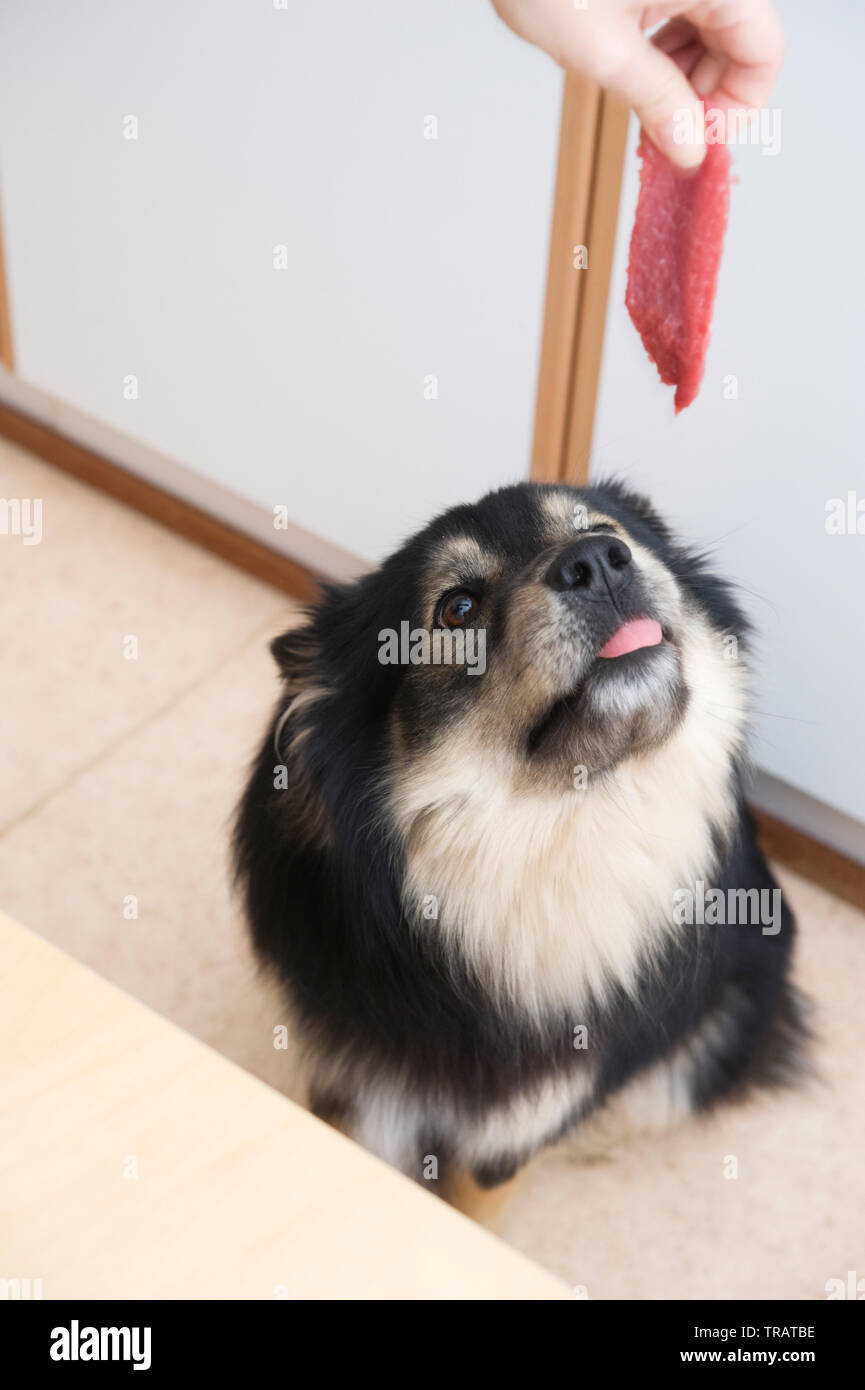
x=507, y=529
x=456, y=559
x=565, y=511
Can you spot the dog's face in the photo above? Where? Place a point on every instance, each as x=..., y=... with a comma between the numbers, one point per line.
x=546, y=627
x=564, y=628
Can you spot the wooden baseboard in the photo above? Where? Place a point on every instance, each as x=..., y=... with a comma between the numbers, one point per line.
x=781, y=842
x=232, y=545
x=815, y=861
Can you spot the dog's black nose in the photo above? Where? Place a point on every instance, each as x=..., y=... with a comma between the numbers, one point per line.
x=595, y=566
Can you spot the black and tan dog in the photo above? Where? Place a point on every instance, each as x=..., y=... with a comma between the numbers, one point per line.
x=505, y=887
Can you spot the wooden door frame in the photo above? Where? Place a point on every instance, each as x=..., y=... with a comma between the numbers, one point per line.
x=592, y=139
x=7, y=355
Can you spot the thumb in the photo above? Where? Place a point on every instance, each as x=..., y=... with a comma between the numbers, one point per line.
x=665, y=102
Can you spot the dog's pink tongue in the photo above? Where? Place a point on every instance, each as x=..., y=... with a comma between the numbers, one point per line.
x=639, y=632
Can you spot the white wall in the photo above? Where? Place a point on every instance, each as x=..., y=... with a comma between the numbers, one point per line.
x=751, y=477
x=300, y=127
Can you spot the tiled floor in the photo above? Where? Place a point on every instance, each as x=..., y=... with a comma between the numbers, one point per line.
x=118, y=781
x=119, y=776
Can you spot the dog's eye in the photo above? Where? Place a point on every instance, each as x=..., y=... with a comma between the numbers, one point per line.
x=456, y=609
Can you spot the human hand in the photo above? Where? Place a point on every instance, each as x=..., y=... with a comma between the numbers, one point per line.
x=725, y=53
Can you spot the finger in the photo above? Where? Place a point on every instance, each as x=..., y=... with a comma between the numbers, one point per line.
x=751, y=41
x=681, y=42
x=687, y=57
x=663, y=99
x=706, y=75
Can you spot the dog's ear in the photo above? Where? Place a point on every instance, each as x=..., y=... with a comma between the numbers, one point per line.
x=338, y=649
x=294, y=652
x=332, y=624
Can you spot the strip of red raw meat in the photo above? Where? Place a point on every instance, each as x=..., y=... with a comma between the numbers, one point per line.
x=675, y=252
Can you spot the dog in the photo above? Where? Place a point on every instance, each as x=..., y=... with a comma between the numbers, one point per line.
x=505, y=777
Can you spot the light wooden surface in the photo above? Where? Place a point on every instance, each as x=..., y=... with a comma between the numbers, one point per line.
x=239, y=1193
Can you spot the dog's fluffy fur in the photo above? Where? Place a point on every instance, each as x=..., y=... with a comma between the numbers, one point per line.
x=467, y=882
